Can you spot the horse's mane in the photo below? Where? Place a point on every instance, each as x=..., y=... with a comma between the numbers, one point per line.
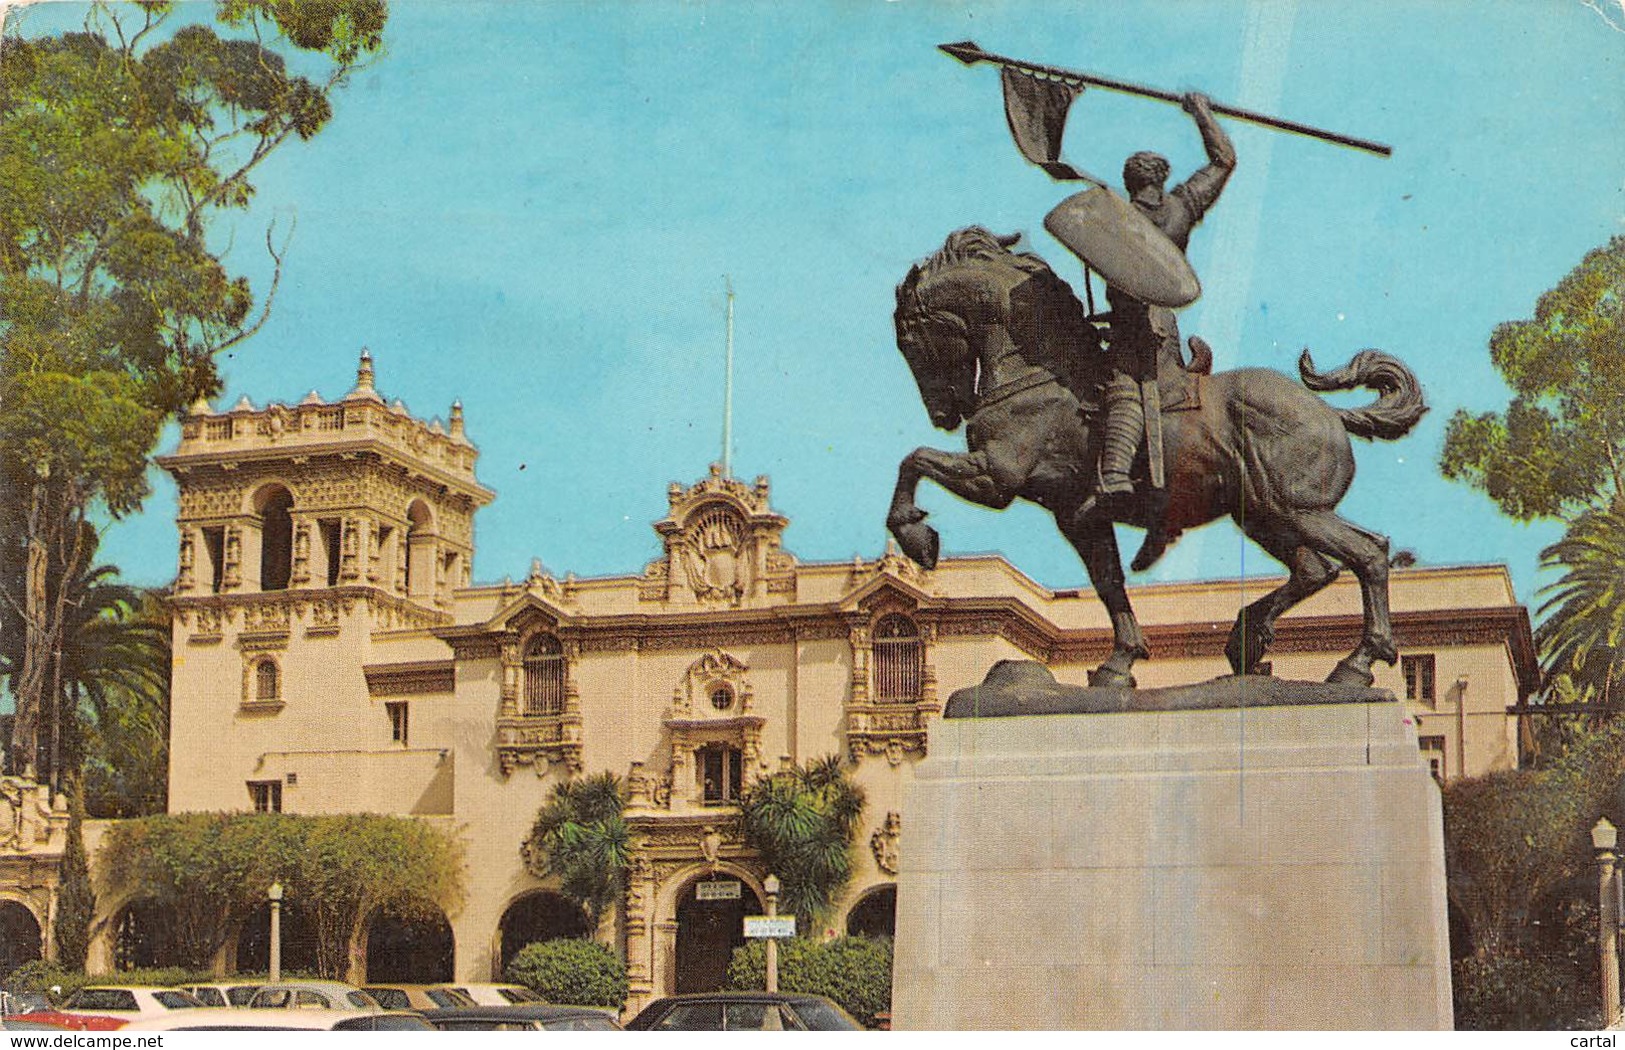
x=1057, y=335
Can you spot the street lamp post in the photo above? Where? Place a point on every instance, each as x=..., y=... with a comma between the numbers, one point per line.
x=1604, y=837
x=275, y=895
x=771, y=885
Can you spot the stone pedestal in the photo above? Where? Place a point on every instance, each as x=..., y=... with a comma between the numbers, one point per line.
x=1278, y=867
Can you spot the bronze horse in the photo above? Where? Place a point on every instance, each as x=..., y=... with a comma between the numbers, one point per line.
x=999, y=342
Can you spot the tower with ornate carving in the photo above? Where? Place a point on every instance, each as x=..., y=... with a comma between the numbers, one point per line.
x=306, y=532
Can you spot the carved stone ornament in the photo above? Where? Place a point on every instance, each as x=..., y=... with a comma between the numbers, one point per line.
x=883, y=843
x=27, y=817
x=714, y=674
x=722, y=545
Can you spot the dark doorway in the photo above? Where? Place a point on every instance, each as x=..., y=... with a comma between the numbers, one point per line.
x=19, y=937
x=409, y=951
x=541, y=916
x=143, y=938
x=298, y=942
x=708, y=931
x=875, y=915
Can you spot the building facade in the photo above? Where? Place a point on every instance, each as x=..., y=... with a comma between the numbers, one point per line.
x=331, y=655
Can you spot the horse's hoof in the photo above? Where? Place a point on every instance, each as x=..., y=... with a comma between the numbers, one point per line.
x=919, y=542
x=1348, y=673
x=1104, y=677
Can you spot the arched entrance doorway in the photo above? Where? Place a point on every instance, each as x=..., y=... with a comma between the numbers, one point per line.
x=298, y=941
x=143, y=937
x=20, y=940
x=543, y=916
x=875, y=915
x=710, y=925
x=416, y=951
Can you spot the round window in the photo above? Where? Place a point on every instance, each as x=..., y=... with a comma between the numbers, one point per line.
x=722, y=698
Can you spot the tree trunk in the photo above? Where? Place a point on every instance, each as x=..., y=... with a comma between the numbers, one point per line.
x=30, y=686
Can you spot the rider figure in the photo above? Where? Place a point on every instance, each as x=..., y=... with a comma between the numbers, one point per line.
x=1142, y=335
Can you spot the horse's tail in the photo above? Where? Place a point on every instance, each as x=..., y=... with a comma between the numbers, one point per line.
x=1399, y=405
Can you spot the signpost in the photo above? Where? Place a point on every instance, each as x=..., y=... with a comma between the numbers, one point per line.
x=759, y=927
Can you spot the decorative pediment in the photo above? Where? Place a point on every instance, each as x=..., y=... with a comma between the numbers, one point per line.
x=722, y=546
x=883, y=592
x=529, y=612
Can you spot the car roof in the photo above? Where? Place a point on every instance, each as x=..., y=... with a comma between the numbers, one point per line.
x=519, y=1011
x=243, y=1017
x=741, y=997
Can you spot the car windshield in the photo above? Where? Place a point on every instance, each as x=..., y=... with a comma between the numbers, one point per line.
x=242, y=994
x=446, y=998
x=520, y=995
x=395, y=1023
x=362, y=1000
x=584, y=1023
x=100, y=999
x=175, y=1000
x=821, y=1016
x=693, y=1017
x=209, y=996
x=390, y=998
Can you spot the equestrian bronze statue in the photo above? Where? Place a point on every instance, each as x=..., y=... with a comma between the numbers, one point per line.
x=999, y=343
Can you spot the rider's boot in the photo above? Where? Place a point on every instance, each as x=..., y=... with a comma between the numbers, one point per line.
x=1120, y=439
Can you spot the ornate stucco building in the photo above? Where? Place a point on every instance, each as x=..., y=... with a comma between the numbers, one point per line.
x=331, y=654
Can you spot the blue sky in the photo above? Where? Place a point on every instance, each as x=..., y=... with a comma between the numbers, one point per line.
x=531, y=207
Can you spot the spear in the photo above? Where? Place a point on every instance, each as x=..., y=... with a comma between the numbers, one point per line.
x=969, y=52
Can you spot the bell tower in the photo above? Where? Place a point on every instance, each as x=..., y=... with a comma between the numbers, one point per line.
x=351, y=499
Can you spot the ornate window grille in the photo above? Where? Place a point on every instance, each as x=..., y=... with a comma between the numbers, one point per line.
x=544, y=677
x=899, y=660
x=267, y=682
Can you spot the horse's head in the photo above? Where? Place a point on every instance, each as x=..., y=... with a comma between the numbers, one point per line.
x=939, y=303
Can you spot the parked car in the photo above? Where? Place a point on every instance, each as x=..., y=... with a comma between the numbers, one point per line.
x=100, y=1008
x=312, y=995
x=14, y=1004
x=222, y=994
x=27, y=1023
x=278, y=1019
x=525, y=1017
x=418, y=996
x=499, y=994
x=743, y=1012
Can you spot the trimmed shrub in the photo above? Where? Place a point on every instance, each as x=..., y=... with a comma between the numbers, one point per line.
x=853, y=971
x=572, y=971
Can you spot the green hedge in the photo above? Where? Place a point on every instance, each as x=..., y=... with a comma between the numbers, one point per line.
x=853, y=971
x=570, y=970
x=41, y=976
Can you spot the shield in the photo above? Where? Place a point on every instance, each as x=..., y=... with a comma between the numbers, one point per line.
x=1118, y=241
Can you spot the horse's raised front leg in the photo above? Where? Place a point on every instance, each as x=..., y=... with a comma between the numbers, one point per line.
x=968, y=475
x=1096, y=543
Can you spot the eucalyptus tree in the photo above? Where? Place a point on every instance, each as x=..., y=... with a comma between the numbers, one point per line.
x=122, y=145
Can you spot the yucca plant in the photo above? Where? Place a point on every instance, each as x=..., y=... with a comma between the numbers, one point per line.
x=803, y=820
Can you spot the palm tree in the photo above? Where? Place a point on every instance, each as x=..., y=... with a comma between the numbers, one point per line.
x=803, y=821
x=1582, y=633
x=581, y=838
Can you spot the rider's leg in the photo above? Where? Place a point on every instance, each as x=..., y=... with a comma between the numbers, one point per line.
x=1120, y=437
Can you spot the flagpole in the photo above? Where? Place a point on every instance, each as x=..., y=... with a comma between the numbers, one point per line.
x=728, y=387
